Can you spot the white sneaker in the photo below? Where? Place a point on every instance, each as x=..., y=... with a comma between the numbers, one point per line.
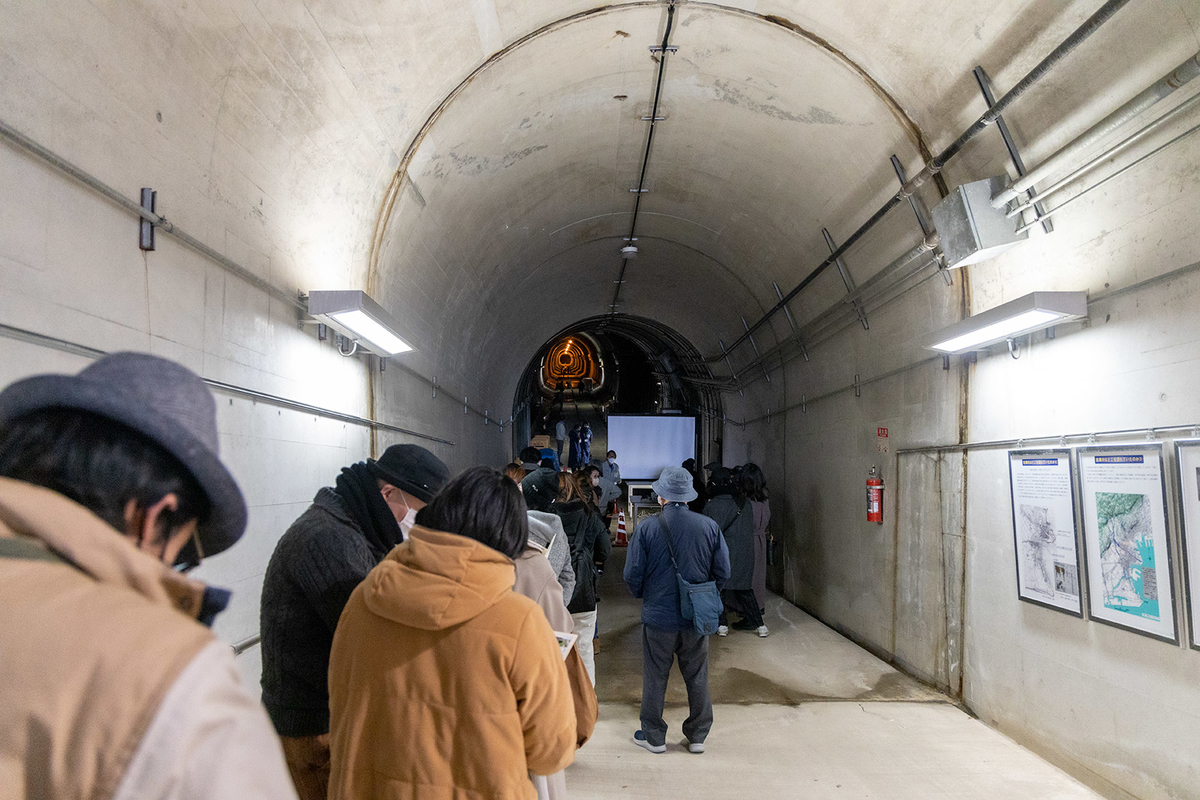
x=763, y=632
x=693, y=747
x=722, y=630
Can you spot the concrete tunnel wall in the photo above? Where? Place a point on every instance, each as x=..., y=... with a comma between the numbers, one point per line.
x=470, y=167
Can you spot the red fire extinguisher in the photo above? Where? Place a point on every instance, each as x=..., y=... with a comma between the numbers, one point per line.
x=874, y=496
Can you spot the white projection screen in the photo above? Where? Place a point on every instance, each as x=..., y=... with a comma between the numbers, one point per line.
x=646, y=444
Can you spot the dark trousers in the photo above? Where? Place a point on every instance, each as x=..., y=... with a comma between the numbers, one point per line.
x=659, y=649
x=743, y=602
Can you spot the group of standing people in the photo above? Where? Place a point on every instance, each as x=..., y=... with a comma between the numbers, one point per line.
x=579, y=453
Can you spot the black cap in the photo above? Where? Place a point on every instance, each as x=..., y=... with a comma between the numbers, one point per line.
x=412, y=469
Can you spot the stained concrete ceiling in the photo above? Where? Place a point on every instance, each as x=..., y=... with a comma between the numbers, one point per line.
x=469, y=161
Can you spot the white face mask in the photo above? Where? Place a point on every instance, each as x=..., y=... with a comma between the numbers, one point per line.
x=406, y=524
x=612, y=461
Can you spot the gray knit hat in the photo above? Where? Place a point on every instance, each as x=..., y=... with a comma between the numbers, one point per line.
x=675, y=485
x=162, y=400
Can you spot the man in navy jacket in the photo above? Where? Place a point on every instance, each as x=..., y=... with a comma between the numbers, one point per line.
x=701, y=555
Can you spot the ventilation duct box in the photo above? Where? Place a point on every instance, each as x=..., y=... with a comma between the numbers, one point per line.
x=969, y=229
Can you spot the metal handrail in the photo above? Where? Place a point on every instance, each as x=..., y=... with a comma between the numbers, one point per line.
x=246, y=644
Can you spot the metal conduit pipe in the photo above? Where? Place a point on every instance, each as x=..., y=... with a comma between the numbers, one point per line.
x=790, y=348
x=1080, y=34
x=1109, y=153
x=23, y=142
x=845, y=304
x=1108, y=178
x=1163, y=87
x=637, y=203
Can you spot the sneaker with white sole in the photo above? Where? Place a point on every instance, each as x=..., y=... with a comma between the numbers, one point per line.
x=722, y=630
x=693, y=747
x=639, y=739
x=763, y=632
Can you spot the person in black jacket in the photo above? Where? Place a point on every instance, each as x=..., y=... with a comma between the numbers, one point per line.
x=590, y=548
x=316, y=565
x=730, y=509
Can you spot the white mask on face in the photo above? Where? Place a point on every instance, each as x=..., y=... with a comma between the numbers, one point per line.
x=406, y=524
x=612, y=461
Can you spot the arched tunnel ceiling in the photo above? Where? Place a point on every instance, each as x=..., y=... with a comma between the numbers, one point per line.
x=517, y=197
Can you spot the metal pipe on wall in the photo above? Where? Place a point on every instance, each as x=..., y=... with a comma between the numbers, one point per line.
x=1160, y=89
x=935, y=165
x=1108, y=153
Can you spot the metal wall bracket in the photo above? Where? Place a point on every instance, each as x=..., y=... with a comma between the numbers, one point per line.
x=382, y=363
x=945, y=362
x=762, y=366
x=857, y=386
x=803, y=404
x=652, y=119
x=732, y=372
x=639, y=191
x=989, y=97
x=464, y=405
x=846, y=279
x=145, y=226
x=322, y=331
x=435, y=387
x=786, y=312
x=922, y=213
x=485, y=416
x=658, y=48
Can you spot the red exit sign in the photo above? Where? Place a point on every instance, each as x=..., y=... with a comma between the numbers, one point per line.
x=881, y=433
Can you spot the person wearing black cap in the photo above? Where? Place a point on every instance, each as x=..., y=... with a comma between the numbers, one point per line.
x=112, y=685
x=317, y=564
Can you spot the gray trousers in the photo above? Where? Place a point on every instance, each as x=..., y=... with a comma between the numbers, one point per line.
x=659, y=649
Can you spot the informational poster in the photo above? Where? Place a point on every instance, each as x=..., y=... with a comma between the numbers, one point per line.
x=1187, y=456
x=1127, y=544
x=1043, y=506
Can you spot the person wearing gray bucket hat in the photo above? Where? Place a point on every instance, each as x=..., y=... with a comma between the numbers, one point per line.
x=105, y=477
x=680, y=542
x=324, y=554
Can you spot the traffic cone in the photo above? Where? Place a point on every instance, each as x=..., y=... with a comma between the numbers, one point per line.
x=622, y=538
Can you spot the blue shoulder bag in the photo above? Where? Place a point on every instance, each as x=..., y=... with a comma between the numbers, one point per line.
x=699, y=602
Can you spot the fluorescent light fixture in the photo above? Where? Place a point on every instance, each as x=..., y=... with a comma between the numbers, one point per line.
x=1027, y=314
x=357, y=316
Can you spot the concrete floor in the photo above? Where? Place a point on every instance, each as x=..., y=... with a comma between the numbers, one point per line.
x=804, y=713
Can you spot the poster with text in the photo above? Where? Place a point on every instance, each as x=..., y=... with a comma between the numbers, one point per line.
x=1043, y=507
x=1127, y=544
x=1187, y=456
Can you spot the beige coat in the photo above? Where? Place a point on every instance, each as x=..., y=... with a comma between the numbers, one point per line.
x=96, y=638
x=443, y=682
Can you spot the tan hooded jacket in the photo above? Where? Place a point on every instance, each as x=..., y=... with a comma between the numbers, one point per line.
x=96, y=638
x=444, y=683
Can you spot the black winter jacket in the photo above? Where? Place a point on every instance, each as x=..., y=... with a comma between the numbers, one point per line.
x=590, y=547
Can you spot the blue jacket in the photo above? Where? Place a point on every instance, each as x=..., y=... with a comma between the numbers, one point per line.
x=699, y=550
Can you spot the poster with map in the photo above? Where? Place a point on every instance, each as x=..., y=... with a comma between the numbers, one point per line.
x=1127, y=543
x=1187, y=457
x=1044, y=534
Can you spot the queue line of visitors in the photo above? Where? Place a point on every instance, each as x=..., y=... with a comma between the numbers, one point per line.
x=417, y=668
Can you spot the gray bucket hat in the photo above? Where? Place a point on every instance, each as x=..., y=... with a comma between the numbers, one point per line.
x=675, y=485
x=162, y=400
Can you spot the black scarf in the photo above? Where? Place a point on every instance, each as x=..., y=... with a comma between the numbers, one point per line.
x=359, y=489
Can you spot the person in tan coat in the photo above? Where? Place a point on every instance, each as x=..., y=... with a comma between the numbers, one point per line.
x=443, y=682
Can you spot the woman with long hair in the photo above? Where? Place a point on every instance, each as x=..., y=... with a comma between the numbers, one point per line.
x=754, y=487
x=443, y=681
x=590, y=548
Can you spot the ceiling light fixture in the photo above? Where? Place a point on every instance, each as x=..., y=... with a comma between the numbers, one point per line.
x=1033, y=312
x=356, y=315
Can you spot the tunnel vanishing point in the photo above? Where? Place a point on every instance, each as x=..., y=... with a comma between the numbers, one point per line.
x=761, y=214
